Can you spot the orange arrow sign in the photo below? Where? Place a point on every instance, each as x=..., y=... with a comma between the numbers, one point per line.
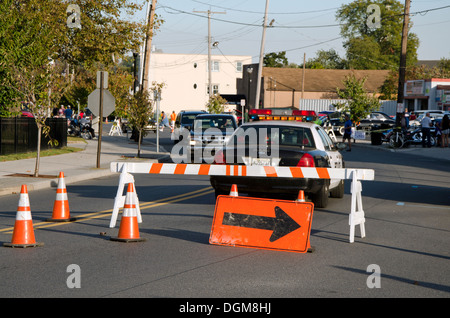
x=262, y=223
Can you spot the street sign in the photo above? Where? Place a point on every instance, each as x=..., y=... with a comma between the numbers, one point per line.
x=262, y=223
x=109, y=102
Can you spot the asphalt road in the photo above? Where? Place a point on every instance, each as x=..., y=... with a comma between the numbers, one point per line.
x=407, y=211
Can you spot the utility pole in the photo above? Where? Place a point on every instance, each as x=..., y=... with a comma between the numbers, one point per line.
x=209, y=12
x=402, y=68
x=261, y=56
x=148, y=44
x=303, y=74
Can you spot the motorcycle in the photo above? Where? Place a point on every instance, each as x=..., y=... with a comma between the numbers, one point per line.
x=74, y=129
x=86, y=131
x=398, y=138
x=80, y=129
x=414, y=137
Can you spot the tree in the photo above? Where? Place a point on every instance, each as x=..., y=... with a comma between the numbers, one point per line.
x=359, y=102
x=326, y=60
x=444, y=64
x=216, y=104
x=37, y=49
x=139, y=111
x=29, y=48
x=369, y=47
x=275, y=59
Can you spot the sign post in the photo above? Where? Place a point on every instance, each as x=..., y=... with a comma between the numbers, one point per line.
x=101, y=103
x=100, y=115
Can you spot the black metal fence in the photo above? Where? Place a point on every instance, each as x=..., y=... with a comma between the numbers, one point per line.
x=19, y=135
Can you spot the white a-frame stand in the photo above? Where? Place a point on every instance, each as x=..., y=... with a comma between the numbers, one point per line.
x=356, y=213
x=119, y=201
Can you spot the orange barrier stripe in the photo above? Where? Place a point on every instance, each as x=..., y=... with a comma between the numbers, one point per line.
x=227, y=173
x=323, y=173
x=180, y=168
x=244, y=170
x=156, y=168
x=204, y=170
x=270, y=171
x=297, y=172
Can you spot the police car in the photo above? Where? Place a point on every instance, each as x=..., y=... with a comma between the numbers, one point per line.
x=281, y=143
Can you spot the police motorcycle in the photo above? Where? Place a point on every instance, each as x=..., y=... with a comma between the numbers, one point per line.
x=80, y=128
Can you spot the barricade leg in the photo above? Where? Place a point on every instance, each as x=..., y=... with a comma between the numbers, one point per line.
x=119, y=200
x=356, y=213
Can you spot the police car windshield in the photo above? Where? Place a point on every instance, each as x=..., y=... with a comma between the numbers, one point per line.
x=220, y=122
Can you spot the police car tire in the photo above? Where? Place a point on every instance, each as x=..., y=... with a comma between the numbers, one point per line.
x=320, y=199
x=338, y=192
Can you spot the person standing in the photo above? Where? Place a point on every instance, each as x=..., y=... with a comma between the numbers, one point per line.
x=426, y=125
x=173, y=116
x=68, y=113
x=348, y=132
x=164, y=121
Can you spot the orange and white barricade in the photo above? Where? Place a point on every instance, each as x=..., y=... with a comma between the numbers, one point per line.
x=126, y=169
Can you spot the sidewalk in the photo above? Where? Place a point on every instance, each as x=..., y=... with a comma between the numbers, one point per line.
x=77, y=166
x=82, y=165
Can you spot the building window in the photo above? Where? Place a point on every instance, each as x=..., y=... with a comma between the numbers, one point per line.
x=215, y=66
x=239, y=66
x=215, y=88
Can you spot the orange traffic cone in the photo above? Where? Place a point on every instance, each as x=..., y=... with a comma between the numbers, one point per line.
x=129, y=231
x=61, y=212
x=234, y=191
x=301, y=196
x=23, y=234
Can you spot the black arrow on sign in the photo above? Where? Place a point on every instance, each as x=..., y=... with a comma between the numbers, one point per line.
x=281, y=225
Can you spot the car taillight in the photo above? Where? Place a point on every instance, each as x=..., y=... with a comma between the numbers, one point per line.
x=219, y=158
x=306, y=161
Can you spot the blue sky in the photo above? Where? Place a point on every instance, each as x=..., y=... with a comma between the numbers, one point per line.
x=301, y=27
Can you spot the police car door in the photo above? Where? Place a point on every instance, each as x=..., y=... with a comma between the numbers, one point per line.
x=334, y=157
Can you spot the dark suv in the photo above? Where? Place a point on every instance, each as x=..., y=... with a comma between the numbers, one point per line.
x=184, y=120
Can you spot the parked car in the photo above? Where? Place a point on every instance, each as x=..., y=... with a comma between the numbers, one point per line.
x=206, y=141
x=301, y=144
x=376, y=120
x=337, y=121
x=184, y=120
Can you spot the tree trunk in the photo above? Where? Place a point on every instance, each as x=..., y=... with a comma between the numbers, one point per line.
x=38, y=156
x=139, y=143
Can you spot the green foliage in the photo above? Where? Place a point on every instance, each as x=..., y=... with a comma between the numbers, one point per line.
x=375, y=48
x=326, y=60
x=360, y=103
x=139, y=110
x=216, y=104
x=275, y=59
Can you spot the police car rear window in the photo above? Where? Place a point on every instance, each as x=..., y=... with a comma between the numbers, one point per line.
x=281, y=135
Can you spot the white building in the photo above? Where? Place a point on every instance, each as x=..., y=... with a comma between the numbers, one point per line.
x=185, y=78
x=427, y=94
